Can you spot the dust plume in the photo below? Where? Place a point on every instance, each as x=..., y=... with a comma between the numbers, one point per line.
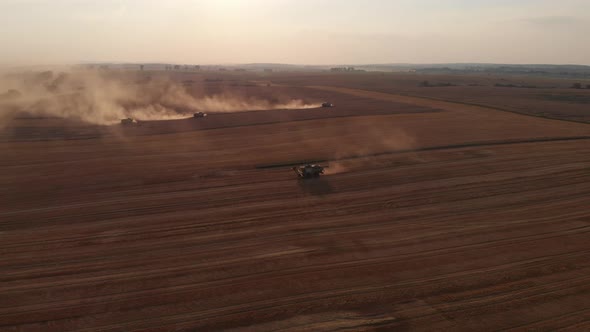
x=336, y=167
x=106, y=98
x=364, y=148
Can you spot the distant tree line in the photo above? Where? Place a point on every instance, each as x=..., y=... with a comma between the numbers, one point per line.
x=427, y=84
x=579, y=85
x=184, y=68
x=528, y=70
x=510, y=85
x=345, y=69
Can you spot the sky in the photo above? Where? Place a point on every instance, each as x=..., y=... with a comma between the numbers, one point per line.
x=317, y=32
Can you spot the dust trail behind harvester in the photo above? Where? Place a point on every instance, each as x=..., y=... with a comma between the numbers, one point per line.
x=103, y=98
x=362, y=151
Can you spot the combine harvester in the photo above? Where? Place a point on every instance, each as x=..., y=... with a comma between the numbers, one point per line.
x=309, y=171
x=327, y=104
x=129, y=122
x=199, y=115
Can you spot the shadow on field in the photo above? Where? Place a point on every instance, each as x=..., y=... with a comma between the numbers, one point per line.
x=317, y=186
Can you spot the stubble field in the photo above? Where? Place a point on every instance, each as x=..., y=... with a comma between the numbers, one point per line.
x=432, y=215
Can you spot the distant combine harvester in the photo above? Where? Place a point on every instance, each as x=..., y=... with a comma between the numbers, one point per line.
x=129, y=122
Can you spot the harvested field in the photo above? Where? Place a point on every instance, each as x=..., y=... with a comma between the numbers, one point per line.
x=432, y=215
x=551, y=98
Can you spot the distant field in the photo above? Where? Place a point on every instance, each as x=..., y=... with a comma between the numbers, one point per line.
x=432, y=214
x=551, y=98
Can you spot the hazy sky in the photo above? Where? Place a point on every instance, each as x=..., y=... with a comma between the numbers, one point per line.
x=295, y=31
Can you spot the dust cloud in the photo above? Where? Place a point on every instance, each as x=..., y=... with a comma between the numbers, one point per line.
x=363, y=148
x=105, y=98
x=336, y=167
